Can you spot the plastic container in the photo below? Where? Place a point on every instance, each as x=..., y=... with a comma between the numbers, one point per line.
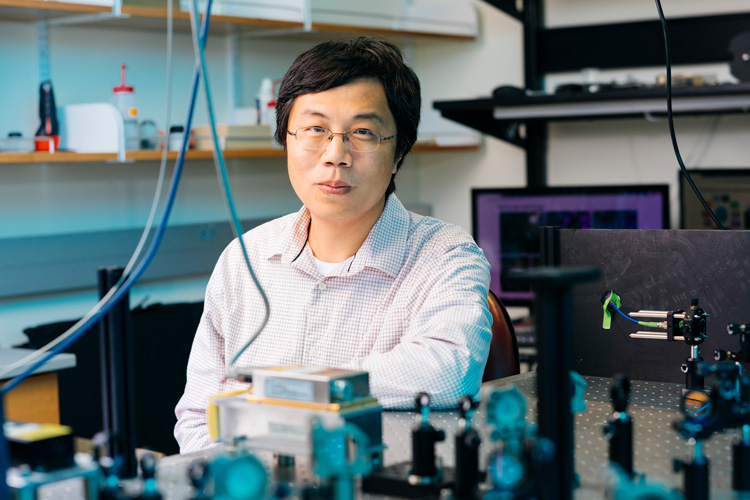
x=149, y=134
x=16, y=143
x=123, y=98
x=265, y=102
x=176, y=134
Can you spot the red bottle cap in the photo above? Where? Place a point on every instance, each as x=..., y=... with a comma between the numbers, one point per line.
x=122, y=87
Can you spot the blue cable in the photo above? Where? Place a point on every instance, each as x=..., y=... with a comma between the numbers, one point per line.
x=229, y=199
x=652, y=324
x=155, y=243
x=612, y=303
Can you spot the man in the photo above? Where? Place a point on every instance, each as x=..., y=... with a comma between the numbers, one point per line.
x=353, y=279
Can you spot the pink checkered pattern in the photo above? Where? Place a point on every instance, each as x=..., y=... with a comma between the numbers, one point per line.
x=410, y=307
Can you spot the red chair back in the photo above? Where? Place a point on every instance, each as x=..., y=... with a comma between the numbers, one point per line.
x=503, y=357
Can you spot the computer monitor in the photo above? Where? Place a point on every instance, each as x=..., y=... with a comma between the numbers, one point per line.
x=726, y=191
x=506, y=222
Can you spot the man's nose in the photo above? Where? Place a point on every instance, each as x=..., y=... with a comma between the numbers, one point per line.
x=337, y=151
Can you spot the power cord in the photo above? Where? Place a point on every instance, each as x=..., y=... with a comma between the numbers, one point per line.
x=670, y=119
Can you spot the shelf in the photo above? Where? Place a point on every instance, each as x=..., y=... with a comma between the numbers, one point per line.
x=499, y=116
x=428, y=148
x=154, y=18
x=68, y=157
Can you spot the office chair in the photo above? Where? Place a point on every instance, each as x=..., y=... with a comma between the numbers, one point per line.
x=503, y=357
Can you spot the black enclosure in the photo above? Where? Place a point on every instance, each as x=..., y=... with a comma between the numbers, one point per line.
x=162, y=338
x=655, y=270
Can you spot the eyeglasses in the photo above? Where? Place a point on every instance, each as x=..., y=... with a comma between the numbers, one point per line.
x=360, y=140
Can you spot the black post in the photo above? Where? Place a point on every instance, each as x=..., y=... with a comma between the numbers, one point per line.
x=466, y=445
x=741, y=462
x=536, y=131
x=696, y=478
x=553, y=317
x=621, y=441
x=549, y=246
x=117, y=374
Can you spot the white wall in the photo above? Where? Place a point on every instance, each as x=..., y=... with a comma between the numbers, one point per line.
x=55, y=198
x=580, y=12
x=579, y=153
x=639, y=151
x=467, y=70
x=52, y=198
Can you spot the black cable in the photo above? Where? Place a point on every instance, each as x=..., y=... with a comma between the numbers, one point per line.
x=670, y=119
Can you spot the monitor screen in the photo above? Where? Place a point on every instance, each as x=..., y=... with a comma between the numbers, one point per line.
x=727, y=193
x=506, y=222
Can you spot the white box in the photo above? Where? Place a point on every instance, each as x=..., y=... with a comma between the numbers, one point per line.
x=91, y=128
x=276, y=10
x=438, y=131
x=372, y=14
x=443, y=17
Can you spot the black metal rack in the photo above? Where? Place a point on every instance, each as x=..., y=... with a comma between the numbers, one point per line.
x=694, y=40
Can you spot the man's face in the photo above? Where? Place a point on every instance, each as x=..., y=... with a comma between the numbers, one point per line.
x=338, y=185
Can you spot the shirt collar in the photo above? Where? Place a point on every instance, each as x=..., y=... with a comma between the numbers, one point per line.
x=384, y=248
x=293, y=238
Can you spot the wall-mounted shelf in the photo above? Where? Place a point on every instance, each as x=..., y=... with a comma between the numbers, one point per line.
x=154, y=18
x=694, y=40
x=68, y=157
x=499, y=117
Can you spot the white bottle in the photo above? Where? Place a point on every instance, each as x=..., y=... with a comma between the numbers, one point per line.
x=124, y=99
x=263, y=100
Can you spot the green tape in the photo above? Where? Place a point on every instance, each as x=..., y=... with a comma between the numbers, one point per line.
x=607, y=320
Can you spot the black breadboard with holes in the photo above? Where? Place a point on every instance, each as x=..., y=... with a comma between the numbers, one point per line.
x=658, y=270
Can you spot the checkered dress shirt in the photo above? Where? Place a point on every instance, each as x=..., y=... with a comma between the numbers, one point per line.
x=410, y=308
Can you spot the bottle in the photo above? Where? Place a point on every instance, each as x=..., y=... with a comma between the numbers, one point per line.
x=264, y=100
x=124, y=100
x=176, y=134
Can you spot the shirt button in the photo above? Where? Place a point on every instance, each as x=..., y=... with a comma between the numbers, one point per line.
x=313, y=353
x=322, y=286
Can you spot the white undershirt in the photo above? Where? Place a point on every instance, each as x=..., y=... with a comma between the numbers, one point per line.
x=326, y=268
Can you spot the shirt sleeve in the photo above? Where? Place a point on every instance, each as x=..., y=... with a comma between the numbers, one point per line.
x=206, y=371
x=445, y=348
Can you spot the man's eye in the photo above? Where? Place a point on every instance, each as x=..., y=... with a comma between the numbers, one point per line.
x=316, y=130
x=363, y=133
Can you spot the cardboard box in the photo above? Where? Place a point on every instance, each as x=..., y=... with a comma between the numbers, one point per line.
x=443, y=17
x=108, y=3
x=162, y=4
x=234, y=136
x=375, y=14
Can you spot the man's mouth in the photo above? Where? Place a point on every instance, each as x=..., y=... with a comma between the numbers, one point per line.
x=334, y=186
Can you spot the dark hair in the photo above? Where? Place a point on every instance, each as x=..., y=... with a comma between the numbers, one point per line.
x=335, y=63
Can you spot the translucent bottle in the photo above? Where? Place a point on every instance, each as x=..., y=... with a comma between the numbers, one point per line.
x=124, y=99
x=264, y=100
